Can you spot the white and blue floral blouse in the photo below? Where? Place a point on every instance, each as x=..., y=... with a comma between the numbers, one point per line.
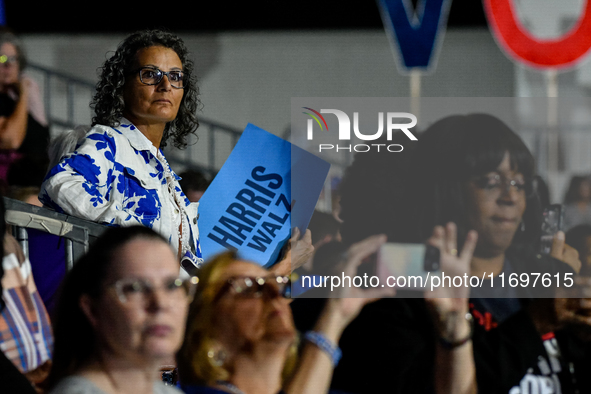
x=117, y=177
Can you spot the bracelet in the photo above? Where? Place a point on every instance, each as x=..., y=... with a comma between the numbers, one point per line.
x=447, y=344
x=324, y=344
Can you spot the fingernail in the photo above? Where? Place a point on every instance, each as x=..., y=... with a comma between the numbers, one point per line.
x=560, y=235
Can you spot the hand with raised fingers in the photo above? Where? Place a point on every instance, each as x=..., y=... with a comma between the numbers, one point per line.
x=576, y=309
x=348, y=300
x=449, y=304
x=570, y=308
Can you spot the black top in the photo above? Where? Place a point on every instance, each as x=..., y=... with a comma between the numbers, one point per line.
x=36, y=140
x=390, y=346
x=11, y=380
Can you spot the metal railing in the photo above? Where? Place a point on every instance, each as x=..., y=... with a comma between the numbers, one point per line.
x=77, y=233
x=71, y=84
x=64, y=96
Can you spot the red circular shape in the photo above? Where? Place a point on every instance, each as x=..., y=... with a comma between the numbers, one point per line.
x=511, y=35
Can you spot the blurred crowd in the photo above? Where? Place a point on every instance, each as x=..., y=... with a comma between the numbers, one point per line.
x=128, y=319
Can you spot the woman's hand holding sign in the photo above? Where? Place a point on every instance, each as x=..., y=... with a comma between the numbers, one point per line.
x=298, y=252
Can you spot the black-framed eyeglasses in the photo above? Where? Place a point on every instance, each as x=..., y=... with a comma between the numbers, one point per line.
x=256, y=287
x=153, y=76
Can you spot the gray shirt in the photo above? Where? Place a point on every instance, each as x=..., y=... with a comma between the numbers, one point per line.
x=80, y=385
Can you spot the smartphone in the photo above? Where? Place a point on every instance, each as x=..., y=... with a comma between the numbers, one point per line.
x=552, y=222
x=413, y=262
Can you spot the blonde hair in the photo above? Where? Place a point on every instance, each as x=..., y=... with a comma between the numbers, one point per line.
x=194, y=359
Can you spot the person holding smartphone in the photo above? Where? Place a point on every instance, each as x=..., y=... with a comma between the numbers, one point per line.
x=474, y=171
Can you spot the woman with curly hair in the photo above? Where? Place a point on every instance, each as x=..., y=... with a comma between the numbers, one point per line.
x=146, y=96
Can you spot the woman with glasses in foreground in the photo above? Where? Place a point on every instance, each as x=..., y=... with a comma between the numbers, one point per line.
x=241, y=338
x=146, y=97
x=476, y=172
x=120, y=317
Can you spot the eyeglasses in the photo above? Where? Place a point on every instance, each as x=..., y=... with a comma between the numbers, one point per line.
x=494, y=182
x=135, y=291
x=153, y=76
x=257, y=287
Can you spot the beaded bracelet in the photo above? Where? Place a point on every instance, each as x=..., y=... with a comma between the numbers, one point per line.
x=324, y=344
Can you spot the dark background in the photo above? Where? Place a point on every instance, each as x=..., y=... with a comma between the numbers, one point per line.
x=110, y=16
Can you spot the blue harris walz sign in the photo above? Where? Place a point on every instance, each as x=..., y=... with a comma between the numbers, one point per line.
x=248, y=206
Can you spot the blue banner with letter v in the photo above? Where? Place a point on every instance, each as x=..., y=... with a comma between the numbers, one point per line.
x=249, y=207
x=415, y=34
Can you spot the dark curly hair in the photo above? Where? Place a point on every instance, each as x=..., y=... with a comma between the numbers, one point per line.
x=108, y=104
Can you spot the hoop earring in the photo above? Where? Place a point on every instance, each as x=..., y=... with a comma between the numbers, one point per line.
x=216, y=356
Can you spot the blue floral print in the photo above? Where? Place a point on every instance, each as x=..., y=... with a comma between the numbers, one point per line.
x=115, y=177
